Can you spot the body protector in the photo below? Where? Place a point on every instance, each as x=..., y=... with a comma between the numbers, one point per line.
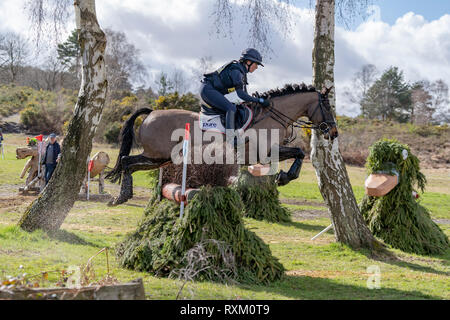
x=228, y=78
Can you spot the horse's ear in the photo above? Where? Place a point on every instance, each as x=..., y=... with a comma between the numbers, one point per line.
x=326, y=91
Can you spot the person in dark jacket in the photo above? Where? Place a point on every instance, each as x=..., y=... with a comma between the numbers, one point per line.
x=229, y=78
x=51, y=157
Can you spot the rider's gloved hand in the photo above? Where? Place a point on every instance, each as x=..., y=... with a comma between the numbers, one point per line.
x=264, y=102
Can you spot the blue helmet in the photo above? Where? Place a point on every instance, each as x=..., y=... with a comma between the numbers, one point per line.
x=252, y=55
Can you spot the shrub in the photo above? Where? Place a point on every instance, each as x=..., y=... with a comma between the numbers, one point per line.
x=112, y=133
x=162, y=240
x=46, y=112
x=396, y=217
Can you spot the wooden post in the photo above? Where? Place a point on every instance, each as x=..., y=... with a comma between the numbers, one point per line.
x=133, y=290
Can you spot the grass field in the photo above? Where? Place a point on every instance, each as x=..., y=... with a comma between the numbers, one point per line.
x=320, y=269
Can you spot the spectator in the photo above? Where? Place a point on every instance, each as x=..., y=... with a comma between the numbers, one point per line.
x=51, y=157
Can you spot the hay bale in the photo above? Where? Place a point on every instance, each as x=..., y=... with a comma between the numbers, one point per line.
x=260, y=197
x=397, y=217
x=162, y=239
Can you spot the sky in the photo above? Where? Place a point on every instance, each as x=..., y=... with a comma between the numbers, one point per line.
x=411, y=34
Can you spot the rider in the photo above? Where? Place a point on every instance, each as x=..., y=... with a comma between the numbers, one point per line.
x=231, y=77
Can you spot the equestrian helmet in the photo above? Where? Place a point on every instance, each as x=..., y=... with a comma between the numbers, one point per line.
x=252, y=55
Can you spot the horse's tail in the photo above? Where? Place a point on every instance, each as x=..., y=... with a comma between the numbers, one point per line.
x=126, y=138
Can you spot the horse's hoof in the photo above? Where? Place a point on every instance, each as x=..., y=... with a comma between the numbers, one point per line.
x=282, y=178
x=112, y=203
x=115, y=202
x=119, y=200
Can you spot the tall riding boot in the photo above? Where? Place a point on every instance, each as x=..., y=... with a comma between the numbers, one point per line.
x=230, y=127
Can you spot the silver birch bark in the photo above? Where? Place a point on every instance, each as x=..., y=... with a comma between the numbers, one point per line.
x=333, y=180
x=50, y=209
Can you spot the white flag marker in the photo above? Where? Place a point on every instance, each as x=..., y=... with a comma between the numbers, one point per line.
x=185, y=161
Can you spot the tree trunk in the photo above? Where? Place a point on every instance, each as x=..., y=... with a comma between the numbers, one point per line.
x=50, y=209
x=334, y=183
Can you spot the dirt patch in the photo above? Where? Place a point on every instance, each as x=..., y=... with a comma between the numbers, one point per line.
x=329, y=274
x=309, y=214
x=6, y=203
x=335, y=274
x=302, y=202
x=320, y=240
x=93, y=229
x=442, y=221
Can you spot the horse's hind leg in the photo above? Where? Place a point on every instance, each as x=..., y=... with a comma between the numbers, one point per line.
x=285, y=153
x=131, y=164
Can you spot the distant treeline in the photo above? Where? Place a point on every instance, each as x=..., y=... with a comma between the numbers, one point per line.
x=390, y=97
x=45, y=94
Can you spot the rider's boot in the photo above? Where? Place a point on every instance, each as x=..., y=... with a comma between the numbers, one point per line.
x=230, y=128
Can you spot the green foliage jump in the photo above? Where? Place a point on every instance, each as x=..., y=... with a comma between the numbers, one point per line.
x=162, y=240
x=260, y=197
x=397, y=217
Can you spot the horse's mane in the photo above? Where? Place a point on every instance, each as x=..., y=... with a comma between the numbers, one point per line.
x=287, y=89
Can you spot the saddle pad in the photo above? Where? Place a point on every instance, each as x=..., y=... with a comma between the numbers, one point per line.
x=214, y=123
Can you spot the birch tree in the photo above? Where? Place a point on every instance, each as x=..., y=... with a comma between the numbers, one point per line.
x=332, y=176
x=49, y=210
x=333, y=180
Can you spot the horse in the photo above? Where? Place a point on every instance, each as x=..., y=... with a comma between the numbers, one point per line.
x=287, y=105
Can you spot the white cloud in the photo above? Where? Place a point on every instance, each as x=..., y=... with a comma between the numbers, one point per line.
x=418, y=47
x=175, y=33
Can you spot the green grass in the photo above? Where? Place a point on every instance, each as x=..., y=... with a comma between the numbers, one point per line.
x=437, y=203
x=323, y=270
x=320, y=269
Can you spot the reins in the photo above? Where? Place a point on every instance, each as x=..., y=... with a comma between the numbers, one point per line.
x=287, y=122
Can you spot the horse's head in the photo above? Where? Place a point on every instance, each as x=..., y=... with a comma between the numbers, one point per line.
x=22, y=153
x=321, y=116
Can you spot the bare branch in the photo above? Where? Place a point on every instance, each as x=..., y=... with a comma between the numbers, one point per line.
x=348, y=10
x=261, y=17
x=50, y=15
x=13, y=53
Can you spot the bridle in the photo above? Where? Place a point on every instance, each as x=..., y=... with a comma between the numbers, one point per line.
x=324, y=127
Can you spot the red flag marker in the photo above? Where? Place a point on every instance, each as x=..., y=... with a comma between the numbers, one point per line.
x=91, y=165
x=186, y=131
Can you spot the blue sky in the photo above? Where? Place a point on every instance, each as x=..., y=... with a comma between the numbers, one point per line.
x=391, y=10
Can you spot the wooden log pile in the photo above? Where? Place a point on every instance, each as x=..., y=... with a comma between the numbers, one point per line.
x=133, y=290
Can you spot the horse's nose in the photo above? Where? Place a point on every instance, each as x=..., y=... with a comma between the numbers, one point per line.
x=334, y=133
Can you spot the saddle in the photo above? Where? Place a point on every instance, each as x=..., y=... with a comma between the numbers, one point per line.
x=213, y=119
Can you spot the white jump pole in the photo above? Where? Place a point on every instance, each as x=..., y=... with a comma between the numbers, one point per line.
x=185, y=160
x=323, y=231
x=39, y=157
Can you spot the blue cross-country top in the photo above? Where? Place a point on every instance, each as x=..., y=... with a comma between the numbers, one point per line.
x=230, y=77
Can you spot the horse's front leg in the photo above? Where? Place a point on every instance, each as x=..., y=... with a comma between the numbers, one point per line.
x=285, y=153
